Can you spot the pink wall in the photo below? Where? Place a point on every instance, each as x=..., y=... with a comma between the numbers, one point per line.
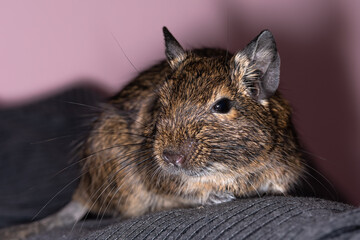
x=46, y=46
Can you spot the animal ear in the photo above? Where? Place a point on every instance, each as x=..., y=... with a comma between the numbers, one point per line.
x=261, y=73
x=175, y=54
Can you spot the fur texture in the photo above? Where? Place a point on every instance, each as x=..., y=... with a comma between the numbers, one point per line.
x=159, y=143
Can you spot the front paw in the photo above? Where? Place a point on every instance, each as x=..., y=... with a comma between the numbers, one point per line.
x=219, y=197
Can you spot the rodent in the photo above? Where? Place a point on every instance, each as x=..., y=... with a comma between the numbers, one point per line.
x=202, y=127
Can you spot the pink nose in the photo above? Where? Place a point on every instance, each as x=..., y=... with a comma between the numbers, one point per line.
x=175, y=158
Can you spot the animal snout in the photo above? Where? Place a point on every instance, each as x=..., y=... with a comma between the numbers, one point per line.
x=180, y=154
x=173, y=157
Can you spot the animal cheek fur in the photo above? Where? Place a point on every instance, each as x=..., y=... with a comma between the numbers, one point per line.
x=229, y=117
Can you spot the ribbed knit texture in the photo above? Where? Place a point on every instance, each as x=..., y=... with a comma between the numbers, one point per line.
x=256, y=218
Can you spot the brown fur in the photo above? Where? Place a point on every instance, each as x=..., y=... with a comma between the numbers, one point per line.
x=250, y=150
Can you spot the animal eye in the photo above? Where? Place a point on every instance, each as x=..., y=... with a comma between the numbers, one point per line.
x=222, y=106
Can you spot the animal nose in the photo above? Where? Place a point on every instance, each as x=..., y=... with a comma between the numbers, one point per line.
x=176, y=158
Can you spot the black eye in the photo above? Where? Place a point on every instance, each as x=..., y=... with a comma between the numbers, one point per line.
x=222, y=106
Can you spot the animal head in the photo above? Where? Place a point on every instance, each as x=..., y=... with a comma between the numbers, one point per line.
x=221, y=114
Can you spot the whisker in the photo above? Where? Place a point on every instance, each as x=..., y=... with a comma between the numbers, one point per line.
x=92, y=154
x=322, y=184
x=118, y=189
x=68, y=184
x=83, y=105
x=114, y=174
x=122, y=50
x=115, y=177
x=53, y=139
x=60, y=191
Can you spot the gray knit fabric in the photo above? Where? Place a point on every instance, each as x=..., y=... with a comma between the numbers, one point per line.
x=257, y=218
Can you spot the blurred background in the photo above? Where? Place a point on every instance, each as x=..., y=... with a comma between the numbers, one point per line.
x=47, y=47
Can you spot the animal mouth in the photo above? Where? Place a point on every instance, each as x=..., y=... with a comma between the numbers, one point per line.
x=181, y=155
x=190, y=167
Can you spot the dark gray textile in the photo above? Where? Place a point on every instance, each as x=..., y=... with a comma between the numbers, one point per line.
x=36, y=171
x=36, y=154
x=257, y=218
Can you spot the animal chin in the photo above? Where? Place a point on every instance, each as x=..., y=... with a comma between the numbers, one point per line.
x=184, y=170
